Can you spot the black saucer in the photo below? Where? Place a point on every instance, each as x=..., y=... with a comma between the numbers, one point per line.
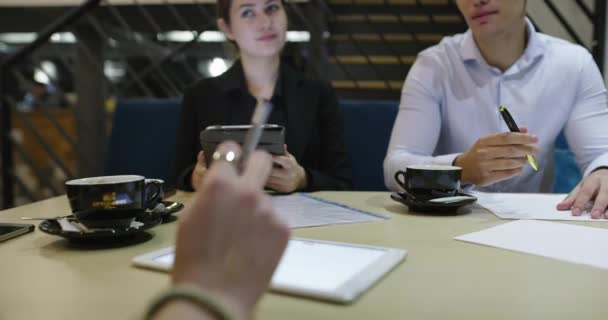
x=433, y=207
x=99, y=234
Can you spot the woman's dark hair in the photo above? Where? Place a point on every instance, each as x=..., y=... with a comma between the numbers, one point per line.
x=223, y=9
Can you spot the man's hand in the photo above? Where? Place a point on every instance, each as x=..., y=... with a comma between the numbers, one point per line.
x=593, y=187
x=496, y=157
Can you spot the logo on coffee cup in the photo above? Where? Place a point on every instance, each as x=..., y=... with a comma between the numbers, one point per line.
x=112, y=200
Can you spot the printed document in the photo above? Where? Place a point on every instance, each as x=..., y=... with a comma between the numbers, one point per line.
x=302, y=210
x=538, y=206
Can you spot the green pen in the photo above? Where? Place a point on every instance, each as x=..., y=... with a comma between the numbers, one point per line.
x=514, y=128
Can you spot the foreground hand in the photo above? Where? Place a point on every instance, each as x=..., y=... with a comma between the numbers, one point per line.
x=200, y=170
x=229, y=241
x=593, y=187
x=496, y=157
x=289, y=177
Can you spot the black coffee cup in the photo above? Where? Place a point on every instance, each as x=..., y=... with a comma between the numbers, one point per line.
x=426, y=182
x=117, y=199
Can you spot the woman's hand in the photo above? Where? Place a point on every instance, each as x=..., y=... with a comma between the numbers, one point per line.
x=287, y=175
x=200, y=170
x=229, y=241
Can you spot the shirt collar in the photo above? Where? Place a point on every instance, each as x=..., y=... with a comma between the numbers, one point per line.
x=468, y=48
x=534, y=49
x=536, y=46
x=233, y=80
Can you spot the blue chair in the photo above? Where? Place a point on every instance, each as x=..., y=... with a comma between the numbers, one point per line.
x=367, y=130
x=143, y=138
x=567, y=174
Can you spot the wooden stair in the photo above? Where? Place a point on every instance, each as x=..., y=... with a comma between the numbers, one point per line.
x=373, y=43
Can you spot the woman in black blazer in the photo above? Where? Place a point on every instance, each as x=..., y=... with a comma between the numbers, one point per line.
x=315, y=157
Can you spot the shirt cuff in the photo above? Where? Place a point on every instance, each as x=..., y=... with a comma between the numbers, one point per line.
x=446, y=159
x=600, y=161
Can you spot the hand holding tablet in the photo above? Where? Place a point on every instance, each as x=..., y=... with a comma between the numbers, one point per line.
x=272, y=138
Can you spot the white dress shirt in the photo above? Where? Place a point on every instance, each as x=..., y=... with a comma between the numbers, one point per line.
x=451, y=96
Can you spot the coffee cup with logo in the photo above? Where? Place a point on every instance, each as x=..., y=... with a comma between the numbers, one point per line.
x=113, y=200
x=426, y=182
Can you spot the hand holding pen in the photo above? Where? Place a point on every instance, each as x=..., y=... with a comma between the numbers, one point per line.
x=514, y=128
x=258, y=120
x=497, y=157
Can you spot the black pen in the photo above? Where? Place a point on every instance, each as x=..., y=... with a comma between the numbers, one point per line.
x=514, y=128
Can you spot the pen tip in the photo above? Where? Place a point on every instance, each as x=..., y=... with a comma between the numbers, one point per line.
x=532, y=162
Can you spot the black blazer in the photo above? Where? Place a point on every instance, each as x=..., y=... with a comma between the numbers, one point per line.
x=307, y=108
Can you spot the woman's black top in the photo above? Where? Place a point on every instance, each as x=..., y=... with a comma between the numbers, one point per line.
x=307, y=108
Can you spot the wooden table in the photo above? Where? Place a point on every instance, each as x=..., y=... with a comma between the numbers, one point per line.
x=43, y=278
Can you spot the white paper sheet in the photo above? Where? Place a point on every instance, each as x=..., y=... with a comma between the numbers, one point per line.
x=561, y=241
x=302, y=210
x=537, y=206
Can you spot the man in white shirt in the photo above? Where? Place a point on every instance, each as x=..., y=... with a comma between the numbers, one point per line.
x=449, y=112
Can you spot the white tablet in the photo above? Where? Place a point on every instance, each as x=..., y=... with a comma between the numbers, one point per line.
x=333, y=271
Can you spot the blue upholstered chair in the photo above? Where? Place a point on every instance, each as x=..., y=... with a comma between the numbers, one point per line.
x=567, y=174
x=143, y=138
x=367, y=130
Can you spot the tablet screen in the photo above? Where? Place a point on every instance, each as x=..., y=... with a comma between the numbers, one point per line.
x=321, y=269
x=314, y=265
x=166, y=259
x=322, y=266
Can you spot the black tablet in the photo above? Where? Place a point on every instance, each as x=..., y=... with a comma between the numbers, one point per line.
x=272, y=139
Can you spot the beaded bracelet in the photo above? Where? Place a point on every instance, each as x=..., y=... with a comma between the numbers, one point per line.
x=193, y=295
